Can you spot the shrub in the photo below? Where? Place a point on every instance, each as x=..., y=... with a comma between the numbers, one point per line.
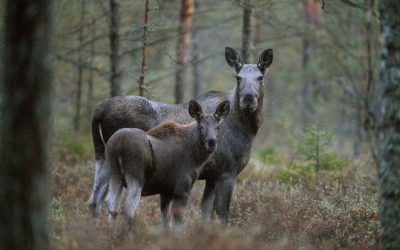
x=332, y=162
x=313, y=145
x=269, y=155
x=296, y=171
x=72, y=149
x=313, y=155
x=57, y=211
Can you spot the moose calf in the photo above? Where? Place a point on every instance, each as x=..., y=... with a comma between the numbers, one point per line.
x=166, y=160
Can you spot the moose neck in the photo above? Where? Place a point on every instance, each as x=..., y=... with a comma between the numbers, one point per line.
x=251, y=121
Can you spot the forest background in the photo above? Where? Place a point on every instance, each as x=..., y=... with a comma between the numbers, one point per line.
x=311, y=180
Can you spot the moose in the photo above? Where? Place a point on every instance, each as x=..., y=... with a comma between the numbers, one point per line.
x=237, y=132
x=166, y=160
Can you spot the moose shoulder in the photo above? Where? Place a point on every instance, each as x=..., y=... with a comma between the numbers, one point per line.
x=237, y=132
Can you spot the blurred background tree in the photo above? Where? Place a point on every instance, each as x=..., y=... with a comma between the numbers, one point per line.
x=323, y=75
x=25, y=125
x=389, y=124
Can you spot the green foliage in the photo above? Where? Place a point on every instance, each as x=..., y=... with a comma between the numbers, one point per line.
x=71, y=148
x=57, y=211
x=313, y=155
x=296, y=171
x=313, y=144
x=332, y=162
x=315, y=147
x=269, y=155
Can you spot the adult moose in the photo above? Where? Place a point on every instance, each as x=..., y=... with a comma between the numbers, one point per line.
x=237, y=132
x=166, y=160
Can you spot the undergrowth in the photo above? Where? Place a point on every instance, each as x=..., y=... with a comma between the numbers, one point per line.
x=337, y=212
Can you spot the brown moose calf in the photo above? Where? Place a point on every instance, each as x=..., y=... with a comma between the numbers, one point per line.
x=166, y=160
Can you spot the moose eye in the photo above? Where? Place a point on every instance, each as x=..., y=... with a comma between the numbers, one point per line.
x=200, y=127
x=260, y=78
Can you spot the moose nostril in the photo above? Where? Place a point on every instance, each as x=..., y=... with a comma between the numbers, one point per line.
x=248, y=98
x=211, y=143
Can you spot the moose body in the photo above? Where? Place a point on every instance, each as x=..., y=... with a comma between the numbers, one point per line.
x=166, y=160
x=237, y=132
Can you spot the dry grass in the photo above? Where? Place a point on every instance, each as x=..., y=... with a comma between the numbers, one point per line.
x=339, y=213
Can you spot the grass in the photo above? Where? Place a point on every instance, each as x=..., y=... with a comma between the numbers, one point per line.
x=340, y=212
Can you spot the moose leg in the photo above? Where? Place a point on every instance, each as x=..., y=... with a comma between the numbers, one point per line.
x=113, y=196
x=207, y=203
x=132, y=200
x=100, y=186
x=165, y=205
x=223, y=195
x=178, y=206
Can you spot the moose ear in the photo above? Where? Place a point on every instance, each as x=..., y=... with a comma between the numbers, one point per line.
x=195, y=110
x=222, y=110
x=233, y=59
x=265, y=60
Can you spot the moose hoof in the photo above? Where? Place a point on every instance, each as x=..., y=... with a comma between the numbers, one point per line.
x=94, y=210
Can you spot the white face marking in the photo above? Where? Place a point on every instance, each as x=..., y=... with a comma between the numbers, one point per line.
x=250, y=71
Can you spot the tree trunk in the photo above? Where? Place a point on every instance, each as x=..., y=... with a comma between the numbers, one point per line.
x=115, y=58
x=368, y=110
x=25, y=111
x=91, y=73
x=257, y=32
x=144, y=49
x=389, y=125
x=80, y=71
x=195, y=58
x=310, y=90
x=246, y=31
x=358, y=132
x=306, y=90
x=182, y=48
x=196, y=68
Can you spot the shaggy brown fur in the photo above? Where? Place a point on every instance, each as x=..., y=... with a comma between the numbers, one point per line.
x=164, y=161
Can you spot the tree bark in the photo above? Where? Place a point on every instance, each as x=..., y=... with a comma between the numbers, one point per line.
x=144, y=50
x=246, y=31
x=80, y=71
x=368, y=110
x=115, y=58
x=257, y=32
x=389, y=125
x=91, y=73
x=185, y=21
x=358, y=132
x=310, y=88
x=307, y=50
x=195, y=58
x=25, y=111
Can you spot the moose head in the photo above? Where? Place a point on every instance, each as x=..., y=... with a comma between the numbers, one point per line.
x=209, y=124
x=250, y=78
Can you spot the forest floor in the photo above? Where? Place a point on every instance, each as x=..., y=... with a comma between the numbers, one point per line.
x=338, y=212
